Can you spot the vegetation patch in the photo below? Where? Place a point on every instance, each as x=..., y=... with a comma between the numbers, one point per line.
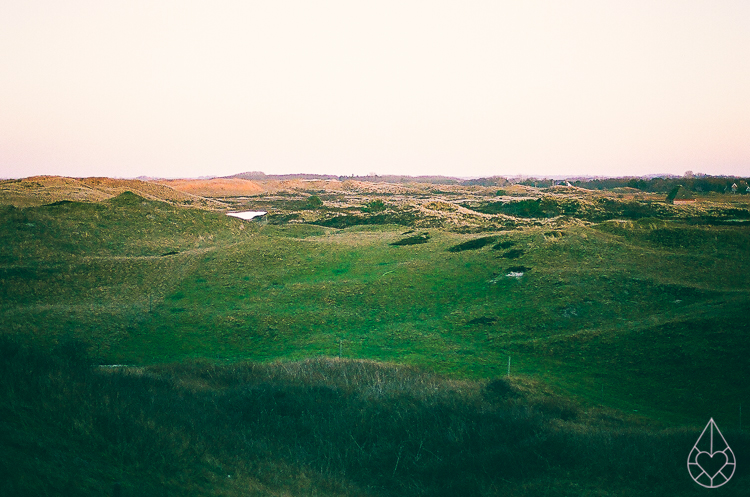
x=500, y=389
x=313, y=202
x=376, y=205
x=533, y=208
x=597, y=209
x=503, y=245
x=413, y=240
x=282, y=218
x=512, y=254
x=441, y=206
x=402, y=218
x=608, y=208
x=126, y=199
x=518, y=269
x=323, y=426
x=474, y=244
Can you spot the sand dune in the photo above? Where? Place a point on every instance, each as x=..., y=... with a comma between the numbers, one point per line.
x=217, y=187
x=40, y=190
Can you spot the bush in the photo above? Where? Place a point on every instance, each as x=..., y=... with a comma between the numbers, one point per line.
x=512, y=254
x=503, y=245
x=474, y=244
x=374, y=206
x=499, y=389
x=314, y=202
x=413, y=240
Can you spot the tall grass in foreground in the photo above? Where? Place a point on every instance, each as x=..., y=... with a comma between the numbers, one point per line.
x=316, y=427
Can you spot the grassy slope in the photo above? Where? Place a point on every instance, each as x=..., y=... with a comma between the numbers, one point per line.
x=640, y=315
x=643, y=315
x=316, y=427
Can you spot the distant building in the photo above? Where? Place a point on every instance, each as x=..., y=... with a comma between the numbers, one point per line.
x=681, y=196
x=734, y=187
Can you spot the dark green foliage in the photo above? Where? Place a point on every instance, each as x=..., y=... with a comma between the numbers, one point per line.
x=125, y=199
x=413, y=240
x=60, y=202
x=521, y=208
x=314, y=202
x=292, y=202
x=281, y=218
x=374, y=206
x=660, y=185
x=474, y=244
x=638, y=183
x=345, y=221
x=697, y=238
x=503, y=245
x=616, y=209
x=350, y=427
x=684, y=235
x=512, y=254
x=557, y=408
x=553, y=206
x=532, y=208
x=499, y=389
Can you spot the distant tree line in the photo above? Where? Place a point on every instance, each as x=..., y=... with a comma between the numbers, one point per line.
x=698, y=183
x=722, y=184
x=374, y=178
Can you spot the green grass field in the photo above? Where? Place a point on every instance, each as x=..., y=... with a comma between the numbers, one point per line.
x=642, y=317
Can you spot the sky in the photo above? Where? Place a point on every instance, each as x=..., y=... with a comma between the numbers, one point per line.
x=472, y=88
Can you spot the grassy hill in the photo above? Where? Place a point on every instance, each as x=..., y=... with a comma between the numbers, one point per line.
x=641, y=318
x=317, y=427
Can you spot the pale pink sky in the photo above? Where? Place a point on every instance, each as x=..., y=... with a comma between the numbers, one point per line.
x=471, y=88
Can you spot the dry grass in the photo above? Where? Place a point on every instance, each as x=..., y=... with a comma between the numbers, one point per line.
x=42, y=190
x=216, y=187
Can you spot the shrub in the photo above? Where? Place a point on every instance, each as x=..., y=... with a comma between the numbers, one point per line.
x=499, y=389
x=513, y=254
x=314, y=202
x=374, y=206
x=503, y=245
x=413, y=240
x=474, y=244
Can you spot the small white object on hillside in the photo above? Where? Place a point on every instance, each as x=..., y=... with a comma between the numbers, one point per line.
x=247, y=214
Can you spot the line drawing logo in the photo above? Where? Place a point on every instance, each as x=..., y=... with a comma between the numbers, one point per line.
x=711, y=463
